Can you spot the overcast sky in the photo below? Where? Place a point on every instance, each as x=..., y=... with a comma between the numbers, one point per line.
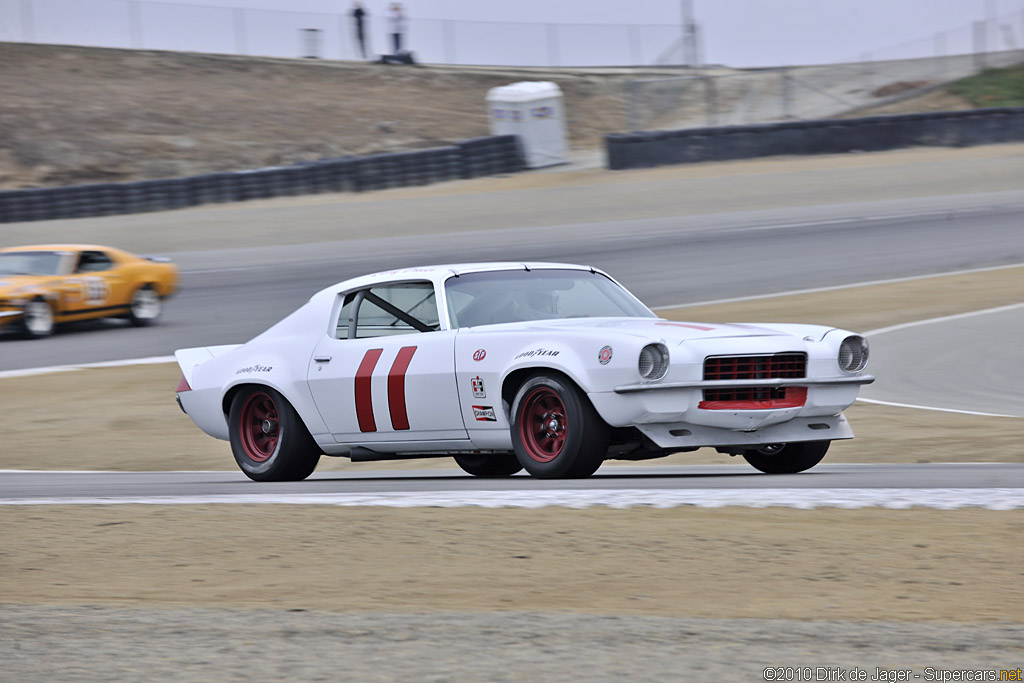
x=735, y=32
x=738, y=32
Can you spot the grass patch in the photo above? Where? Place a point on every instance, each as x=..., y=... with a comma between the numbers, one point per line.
x=993, y=88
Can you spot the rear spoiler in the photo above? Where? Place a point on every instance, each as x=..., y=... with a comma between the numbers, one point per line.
x=188, y=359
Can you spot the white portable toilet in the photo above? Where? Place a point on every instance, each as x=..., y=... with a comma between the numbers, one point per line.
x=534, y=111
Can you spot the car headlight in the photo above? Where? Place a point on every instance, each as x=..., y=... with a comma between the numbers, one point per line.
x=653, y=361
x=853, y=354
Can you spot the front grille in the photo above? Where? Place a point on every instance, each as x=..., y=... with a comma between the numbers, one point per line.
x=775, y=366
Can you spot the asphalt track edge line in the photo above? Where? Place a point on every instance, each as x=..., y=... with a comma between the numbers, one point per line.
x=801, y=498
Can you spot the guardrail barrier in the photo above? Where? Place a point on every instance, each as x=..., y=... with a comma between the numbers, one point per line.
x=829, y=136
x=467, y=159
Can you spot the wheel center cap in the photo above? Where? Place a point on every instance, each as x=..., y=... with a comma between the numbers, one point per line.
x=553, y=425
x=268, y=426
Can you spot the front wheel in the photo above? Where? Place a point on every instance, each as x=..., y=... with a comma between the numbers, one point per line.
x=489, y=464
x=787, y=458
x=145, y=306
x=556, y=433
x=268, y=439
x=37, y=318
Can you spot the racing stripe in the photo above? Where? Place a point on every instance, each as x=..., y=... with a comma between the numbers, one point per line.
x=363, y=385
x=396, y=387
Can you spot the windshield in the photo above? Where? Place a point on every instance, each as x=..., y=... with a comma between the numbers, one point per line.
x=30, y=262
x=508, y=296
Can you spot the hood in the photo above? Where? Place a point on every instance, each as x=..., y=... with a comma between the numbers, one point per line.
x=10, y=285
x=671, y=331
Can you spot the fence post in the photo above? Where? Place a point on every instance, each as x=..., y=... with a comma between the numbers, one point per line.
x=448, y=30
x=241, y=42
x=787, y=95
x=980, y=29
x=940, y=53
x=710, y=99
x=135, y=24
x=552, y=34
x=310, y=43
x=631, y=116
x=28, y=24
x=636, y=48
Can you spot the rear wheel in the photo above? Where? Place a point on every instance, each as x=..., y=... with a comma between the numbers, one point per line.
x=489, y=464
x=787, y=458
x=37, y=318
x=145, y=307
x=556, y=433
x=268, y=439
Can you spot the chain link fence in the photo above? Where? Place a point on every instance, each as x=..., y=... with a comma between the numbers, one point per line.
x=720, y=97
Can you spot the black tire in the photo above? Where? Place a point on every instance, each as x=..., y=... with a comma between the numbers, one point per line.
x=556, y=433
x=145, y=306
x=268, y=438
x=787, y=458
x=489, y=464
x=37, y=319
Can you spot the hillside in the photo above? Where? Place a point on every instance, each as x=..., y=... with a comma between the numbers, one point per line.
x=74, y=115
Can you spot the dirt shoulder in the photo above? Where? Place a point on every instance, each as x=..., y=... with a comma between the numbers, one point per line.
x=912, y=565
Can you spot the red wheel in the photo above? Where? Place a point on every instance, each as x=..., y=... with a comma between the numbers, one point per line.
x=543, y=425
x=259, y=427
x=268, y=438
x=556, y=433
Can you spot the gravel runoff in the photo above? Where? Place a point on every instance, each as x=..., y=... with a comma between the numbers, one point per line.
x=46, y=643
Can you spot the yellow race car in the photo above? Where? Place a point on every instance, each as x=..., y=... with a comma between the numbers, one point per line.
x=42, y=286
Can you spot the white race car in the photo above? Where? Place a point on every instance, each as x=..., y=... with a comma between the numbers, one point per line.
x=549, y=367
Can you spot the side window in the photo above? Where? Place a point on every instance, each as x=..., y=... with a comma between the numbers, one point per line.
x=386, y=310
x=93, y=262
x=345, y=317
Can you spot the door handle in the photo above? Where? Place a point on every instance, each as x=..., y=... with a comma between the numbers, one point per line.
x=322, y=359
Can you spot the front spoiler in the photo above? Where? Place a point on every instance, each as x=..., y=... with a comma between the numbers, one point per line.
x=688, y=435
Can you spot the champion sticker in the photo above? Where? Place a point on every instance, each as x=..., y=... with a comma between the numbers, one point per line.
x=484, y=414
x=479, y=354
x=604, y=355
x=478, y=388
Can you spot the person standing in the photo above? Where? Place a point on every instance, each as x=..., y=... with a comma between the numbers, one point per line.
x=358, y=17
x=396, y=25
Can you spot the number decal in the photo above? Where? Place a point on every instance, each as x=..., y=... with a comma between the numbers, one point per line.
x=95, y=291
x=396, y=389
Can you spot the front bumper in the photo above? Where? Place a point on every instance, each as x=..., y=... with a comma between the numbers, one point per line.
x=638, y=405
x=10, y=315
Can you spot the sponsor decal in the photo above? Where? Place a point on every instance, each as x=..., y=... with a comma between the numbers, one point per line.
x=478, y=388
x=484, y=414
x=542, y=112
x=479, y=354
x=537, y=352
x=604, y=355
x=255, y=368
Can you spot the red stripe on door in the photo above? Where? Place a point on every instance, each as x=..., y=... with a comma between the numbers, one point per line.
x=396, y=387
x=364, y=399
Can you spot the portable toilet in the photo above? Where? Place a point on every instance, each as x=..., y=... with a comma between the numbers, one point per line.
x=533, y=110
